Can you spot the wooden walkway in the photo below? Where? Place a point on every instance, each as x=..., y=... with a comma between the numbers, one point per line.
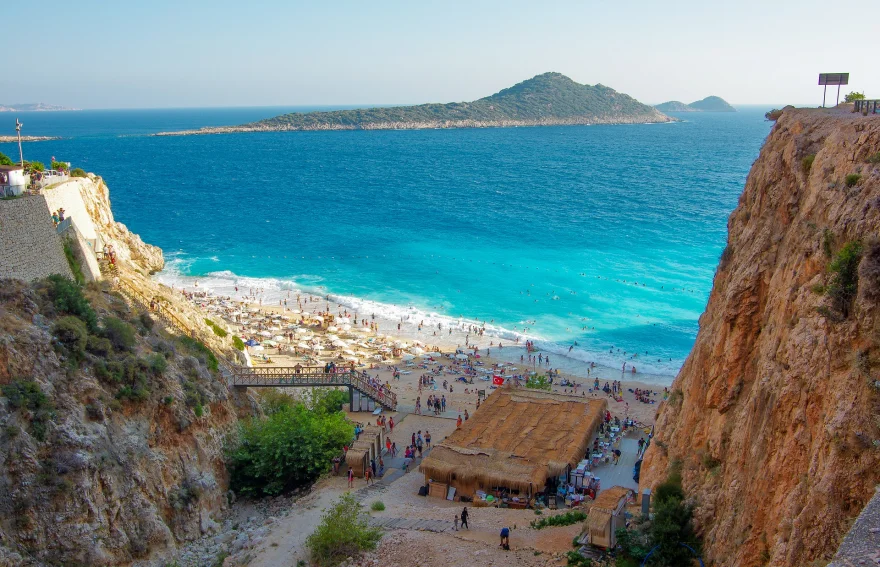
x=270, y=376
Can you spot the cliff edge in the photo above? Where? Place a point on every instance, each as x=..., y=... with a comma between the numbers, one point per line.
x=774, y=415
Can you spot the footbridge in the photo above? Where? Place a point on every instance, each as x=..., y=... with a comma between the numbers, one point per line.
x=363, y=396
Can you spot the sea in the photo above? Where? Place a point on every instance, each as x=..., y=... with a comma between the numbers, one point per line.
x=597, y=243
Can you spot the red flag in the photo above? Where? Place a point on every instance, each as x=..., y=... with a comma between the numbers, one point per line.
x=498, y=380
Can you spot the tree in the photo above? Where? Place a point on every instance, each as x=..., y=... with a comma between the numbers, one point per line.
x=35, y=166
x=59, y=165
x=672, y=525
x=538, y=383
x=344, y=532
x=4, y=159
x=289, y=448
x=854, y=96
x=845, y=277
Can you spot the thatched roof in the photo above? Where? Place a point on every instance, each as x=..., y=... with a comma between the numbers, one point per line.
x=362, y=445
x=604, y=506
x=518, y=437
x=608, y=499
x=355, y=456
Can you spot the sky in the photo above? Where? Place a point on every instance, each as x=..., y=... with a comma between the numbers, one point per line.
x=191, y=53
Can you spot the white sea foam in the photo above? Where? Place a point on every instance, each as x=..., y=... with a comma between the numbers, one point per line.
x=410, y=317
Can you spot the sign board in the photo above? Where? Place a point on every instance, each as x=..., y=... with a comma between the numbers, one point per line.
x=833, y=79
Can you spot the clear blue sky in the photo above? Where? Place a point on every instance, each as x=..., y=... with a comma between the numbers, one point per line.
x=137, y=54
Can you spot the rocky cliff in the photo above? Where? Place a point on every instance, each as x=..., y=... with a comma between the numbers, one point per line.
x=110, y=433
x=775, y=415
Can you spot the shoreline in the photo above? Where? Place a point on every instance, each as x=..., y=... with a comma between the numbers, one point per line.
x=421, y=125
x=403, y=323
x=13, y=139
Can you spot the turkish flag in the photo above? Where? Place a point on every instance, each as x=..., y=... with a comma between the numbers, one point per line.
x=498, y=380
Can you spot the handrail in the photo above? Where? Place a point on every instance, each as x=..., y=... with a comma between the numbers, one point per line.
x=249, y=376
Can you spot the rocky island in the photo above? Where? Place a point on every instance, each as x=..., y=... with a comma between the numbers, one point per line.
x=708, y=104
x=33, y=107
x=551, y=99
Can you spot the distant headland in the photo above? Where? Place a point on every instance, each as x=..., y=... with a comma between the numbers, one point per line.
x=708, y=104
x=33, y=107
x=550, y=99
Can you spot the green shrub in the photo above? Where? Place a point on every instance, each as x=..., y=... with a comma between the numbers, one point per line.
x=672, y=524
x=773, y=115
x=157, y=364
x=35, y=166
x=4, y=159
x=807, y=163
x=344, y=532
x=67, y=297
x=72, y=333
x=875, y=158
x=852, y=179
x=377, y=506
x=565, y=519
x=237, y=343
x=328, y=401
x=146, y=320
x=200, y=350
x=58, y=165
x=134, y=375
x=218, y=330
x=77, y=172
x=538, y=383
x=120, y=333
x=73, y=262
x=99, y=346
x=845, y=277
x=199, y=410
x=827, y=242
x=27, y=394
x=289, y=448
x=575, y=559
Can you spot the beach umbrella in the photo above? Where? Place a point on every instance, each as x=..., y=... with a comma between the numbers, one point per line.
x=295, y=311
x=301, y=331
x=303, y=345
x=270, y=343
x=332, y=328
x=407, y=356
x=318, y=318
x=346, y=327
x=251, y=342
x=417, y=351
x=461, y=356
x=280, y=338
x=258, y=348
x=265, y=333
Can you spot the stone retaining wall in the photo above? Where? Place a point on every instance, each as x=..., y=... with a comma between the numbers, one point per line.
x=30, y=248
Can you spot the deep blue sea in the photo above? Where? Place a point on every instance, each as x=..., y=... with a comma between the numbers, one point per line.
x=607, y=236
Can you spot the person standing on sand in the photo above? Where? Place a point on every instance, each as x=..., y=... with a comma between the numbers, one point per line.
x=368, y=476
x=458, y=423
x=464, y=519
x=391, y=424
x=456, y=522
x=350, y=477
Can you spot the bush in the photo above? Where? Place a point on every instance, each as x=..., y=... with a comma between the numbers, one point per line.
x=120, y=333
x=58, y=165
x=807, y=163
x=289, y=448
x=184, y=495
x=852, y=179
x=377, y=506
x=237, y=343
x=875, y=159
x=328, y=401
x=68, y=298
x=4, y=159
x=98, y=346
x=199, y=410
x=73, y=262
x=575, y=559
x=538, y=383
x=853, y=96
x=157, y=364
x=199, y=348
x=146, y=320
x=72, y=333
x=218, y=330
x=773, y=115
x=134, y=375
x=35, y=166
x=77, y=172
x=566, y=519
x=27, y=394
x=845, y=277
x=344, y=532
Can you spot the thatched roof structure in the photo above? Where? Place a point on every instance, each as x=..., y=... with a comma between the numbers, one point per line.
x=519, y=437
x=604, y=506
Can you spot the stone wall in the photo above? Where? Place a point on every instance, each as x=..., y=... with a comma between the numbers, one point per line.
x=82, y=249
x=68, y=196
x=30, y=248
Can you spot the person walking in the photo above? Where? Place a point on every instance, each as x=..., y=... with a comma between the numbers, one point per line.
x=464, y=519
x=368, y=476
x=456, y=522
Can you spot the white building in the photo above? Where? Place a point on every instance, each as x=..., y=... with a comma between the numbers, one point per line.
x=13, y=180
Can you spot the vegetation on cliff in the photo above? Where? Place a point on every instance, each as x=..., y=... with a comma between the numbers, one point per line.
x=93, y=389
x=548, y=97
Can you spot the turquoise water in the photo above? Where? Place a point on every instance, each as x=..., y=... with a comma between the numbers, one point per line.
x=607, y=236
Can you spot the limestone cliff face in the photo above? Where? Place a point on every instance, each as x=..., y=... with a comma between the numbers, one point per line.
x=774, y=416
x=99, y=478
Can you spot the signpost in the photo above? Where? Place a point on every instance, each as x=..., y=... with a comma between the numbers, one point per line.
x=832, y=79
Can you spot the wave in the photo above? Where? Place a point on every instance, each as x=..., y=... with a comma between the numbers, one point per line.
x=411, y=321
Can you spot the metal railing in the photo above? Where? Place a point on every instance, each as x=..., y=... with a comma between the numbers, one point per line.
x=270, y=375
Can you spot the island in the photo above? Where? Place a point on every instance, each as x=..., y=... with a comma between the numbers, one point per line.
x=33, y=107
x=708, y=104
x=549, y=99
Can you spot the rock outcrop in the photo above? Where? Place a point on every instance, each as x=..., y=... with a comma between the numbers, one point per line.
x=108, y=454
x=774, y=415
